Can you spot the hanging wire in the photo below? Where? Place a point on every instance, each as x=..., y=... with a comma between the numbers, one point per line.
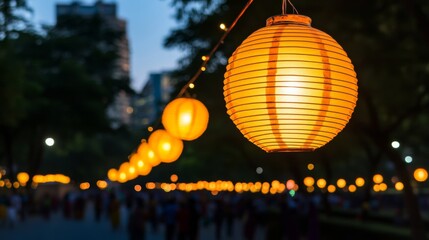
x=208, y=57
x=284, y=7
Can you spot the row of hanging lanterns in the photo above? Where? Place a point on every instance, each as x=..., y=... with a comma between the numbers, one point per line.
x=288, y=87
x=183, y=119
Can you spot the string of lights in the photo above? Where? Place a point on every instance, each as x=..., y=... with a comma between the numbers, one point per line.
x=207, y=58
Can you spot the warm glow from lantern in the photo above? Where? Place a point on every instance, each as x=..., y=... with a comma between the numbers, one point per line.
x=360, y=182
x=150, y=185
x=308, y=181
x=101, y=184
x=84, y=186
x=147, y=154
x=174, y=178
x=341, y=183
x=420, y=174
x=112, y=174
x=141, y=166
x=185, y=118
x=23, y=177
x=352, y=188
x=377, y=178
x=383, y=187
x=310, y=166
x=321, y=183
x=290, y=184
x=290, y=87
x=331, y=188
x=137, y=188
x=399, y=186
x=166, y=147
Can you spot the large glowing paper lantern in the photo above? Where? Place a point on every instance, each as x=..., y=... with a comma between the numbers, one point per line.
x=148, y=155
x=166, y=147
x=185, y=118
x=290, y=87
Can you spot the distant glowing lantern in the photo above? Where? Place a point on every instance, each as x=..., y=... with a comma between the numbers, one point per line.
x=341, y=183
x=399, y=186
x=377, y=178
x=166, y=147
x=360, y=182
x=420, y=174
x=141, y=166
x=148, y=155
x=308, y=181
x=185, y=118
x=290, y=87
x=112, y=174
x=321, y=183
x=23, y=177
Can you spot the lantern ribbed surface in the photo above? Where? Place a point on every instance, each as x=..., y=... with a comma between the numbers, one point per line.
x=290, y=87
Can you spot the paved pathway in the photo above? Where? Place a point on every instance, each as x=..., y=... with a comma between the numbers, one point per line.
x=58, y=228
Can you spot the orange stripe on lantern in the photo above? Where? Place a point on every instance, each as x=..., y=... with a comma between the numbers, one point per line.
x=271, y=89
x=326, y=93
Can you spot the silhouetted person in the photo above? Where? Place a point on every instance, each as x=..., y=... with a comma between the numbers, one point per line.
x=170, y=217
x=67, y=206
x=153, y=213
x=114, y=211
x=218, y=217
x=136, y=221
x=183, y=216
x=46, y=202
x=249, y=221
x=194, y=218
x=313, y=223
x=98, y=206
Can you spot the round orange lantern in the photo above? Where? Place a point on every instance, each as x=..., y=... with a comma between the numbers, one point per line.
x=185, y=118
x=148, y=155
x=290, y=87
x=165, y=146
x=420, y=174
x=142, y=167
x=112, y=174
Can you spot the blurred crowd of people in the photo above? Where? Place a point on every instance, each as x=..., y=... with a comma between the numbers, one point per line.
x=178, y=215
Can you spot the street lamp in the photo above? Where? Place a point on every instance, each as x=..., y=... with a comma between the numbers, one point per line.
x=49, y=142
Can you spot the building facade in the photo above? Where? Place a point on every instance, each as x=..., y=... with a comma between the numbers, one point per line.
x=149, y=104
x=120, y=111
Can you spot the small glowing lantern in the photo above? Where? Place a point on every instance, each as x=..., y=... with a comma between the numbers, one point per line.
x=377, y=178
x=112, y=174
x=321, y=183
x=148, y=155
x=23, y=177
x=142, y=167
x=420, y=174
x=185, y=118
x=166, y=147
x=290, y=87
x=308, y=181
x=341, y=183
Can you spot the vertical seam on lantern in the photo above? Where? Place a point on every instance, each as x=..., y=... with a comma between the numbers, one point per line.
x=326, y=95
x=271, y=88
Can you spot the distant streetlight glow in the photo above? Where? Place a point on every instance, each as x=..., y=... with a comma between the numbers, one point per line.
x=49, y=142
x=395, y=144
x=408, y=159
x=259, y=170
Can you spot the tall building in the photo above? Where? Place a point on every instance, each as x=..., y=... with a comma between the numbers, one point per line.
x=150, y=103
x=119, y=112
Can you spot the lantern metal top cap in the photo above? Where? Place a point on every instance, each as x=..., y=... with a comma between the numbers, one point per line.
x=289, y=19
